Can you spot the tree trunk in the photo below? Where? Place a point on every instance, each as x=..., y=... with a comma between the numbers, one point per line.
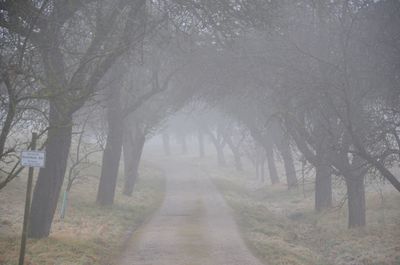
x=50, y=179
x=288, y=163
x=132, y=147
x=323, y=188
x=201, y=143
x=269, y=153
x=356, y=200
x=262, y=169
x=219, y=147
x=112, y=151
x=236, y=155
x=235, y=152
x=129, y=169
x=166, y=145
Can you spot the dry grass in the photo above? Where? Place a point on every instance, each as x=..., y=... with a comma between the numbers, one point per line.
x=281, y=227
x=89, y=234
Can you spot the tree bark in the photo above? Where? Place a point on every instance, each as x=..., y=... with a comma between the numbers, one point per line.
x=50, y=179
x=269, y=153
x=288, y=163
x=356, y=200
x=132, y=147
x=112, y=151
x=323, y=187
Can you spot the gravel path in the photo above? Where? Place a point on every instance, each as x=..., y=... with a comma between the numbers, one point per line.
x=194, y=226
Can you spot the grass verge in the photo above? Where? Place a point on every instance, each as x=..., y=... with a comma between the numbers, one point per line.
x=89, y=234
x=280, y=227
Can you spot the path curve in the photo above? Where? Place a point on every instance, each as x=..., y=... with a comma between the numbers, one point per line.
x=194, y=225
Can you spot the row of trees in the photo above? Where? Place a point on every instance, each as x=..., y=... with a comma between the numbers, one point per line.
x=59, y=58
x=323, y=82
x=318, y=77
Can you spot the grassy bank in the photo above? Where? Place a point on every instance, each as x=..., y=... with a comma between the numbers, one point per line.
x=280, y=227
x=89, y=234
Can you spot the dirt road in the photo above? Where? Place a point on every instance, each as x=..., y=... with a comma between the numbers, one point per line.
x=194, y=226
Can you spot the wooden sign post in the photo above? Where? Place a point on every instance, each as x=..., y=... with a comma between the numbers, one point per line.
x=31, y=159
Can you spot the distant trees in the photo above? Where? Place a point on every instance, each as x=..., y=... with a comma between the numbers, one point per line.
x=216, y=136
x=118, y=113
x=148, y=119
x=234, y=138
x=320, y=83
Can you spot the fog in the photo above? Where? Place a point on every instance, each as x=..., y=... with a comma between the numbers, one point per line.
x=213, y=132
